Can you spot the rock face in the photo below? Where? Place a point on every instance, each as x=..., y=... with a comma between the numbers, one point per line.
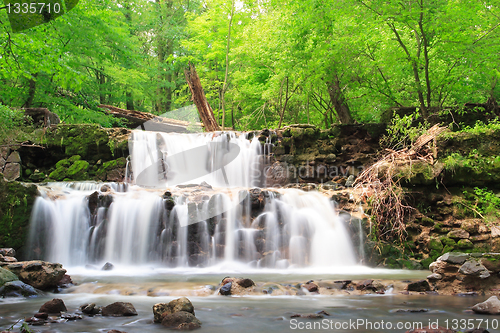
x=454, y=273
x=178, y=314
x=39, y=274
x=490, y=306
x=55, y=306
x=119, y=309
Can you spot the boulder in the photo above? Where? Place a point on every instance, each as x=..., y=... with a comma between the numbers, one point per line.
x=6, y=276
x=12, y=171
x=55, y=306
x=90, y=309
x=458, y=234
x=39, y=274
x=245, y=283
x=181, y=320
x=473, y=267
x=7, y=259
x=490, y=306
x=9, y=252
x=226, y=289
x=419, y=286
x=162, y=309
x=119, y=309
x=454, y=257
x=434, y=277
x=17, y=289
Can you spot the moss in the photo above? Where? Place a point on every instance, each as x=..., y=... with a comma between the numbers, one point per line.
x=77, y=170
x=435, y=245
x=110, y=165
x=465, y=244
x=426, y=262
x=427, y=221
x=16, y=202
x=58, y=174
x=63, y=163
x=74, y=158
x=448, y=241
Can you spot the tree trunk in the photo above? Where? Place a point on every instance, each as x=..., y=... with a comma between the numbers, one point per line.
x=130, y=100
x=199, y=99
x=31, y=91
x=339, y=102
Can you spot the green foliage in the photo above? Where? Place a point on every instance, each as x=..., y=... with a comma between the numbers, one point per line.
x=484, y=203
x=403, y=131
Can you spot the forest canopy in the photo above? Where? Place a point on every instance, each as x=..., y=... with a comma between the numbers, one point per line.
x=262, y=63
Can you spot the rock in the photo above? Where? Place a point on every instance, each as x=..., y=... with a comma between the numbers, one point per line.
x=71, y=316
x=465, y=244
x=458, y=234
x=473, y=267
x=308, y=315
x=350, y=181
x=491, y=262
x=162, y=309
x=12, y=171
x=181, y=320
x=7, y=259
x=14, y=157
x=411, y=310
x=107, y=267
x=311, y=287
x=490, y=306
x=39, y=274
x=6, y=276
x=419, y=286
x=454, y=257
x=8, y=252
x=116, y=331
x=495, y=231
x=119, y=309
x=90, y=309
x=55, y=306
x=245, y=283
x=478, y=330
x=434, y=277
x=18, y=289
x=41, y=315
x=65, y=282
x=226, y=289
x=430, y=329
x=471, y=226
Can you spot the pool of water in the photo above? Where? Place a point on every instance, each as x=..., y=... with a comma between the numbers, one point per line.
x=260, y=313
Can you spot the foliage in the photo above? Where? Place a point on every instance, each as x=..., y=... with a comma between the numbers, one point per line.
x=484, y=203
x=403, y=131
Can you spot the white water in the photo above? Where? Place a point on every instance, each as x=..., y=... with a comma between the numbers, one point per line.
x=206, y=228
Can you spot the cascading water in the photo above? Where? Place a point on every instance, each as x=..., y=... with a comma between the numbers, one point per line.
x=186, y=225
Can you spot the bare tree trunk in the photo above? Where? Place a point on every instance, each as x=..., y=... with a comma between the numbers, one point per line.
x=199, y=99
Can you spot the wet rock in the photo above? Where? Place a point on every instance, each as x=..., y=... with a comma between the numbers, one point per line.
x=490, y=306
x=39, y=274
x=245, y=283
x=9, y=252
x=41, y=315
x=71, y=316
x=226, y=289
x=419, y=286
x=18, y=289
x=430, y=329
x=181, y=320
x=162, y=309
x=107, y=267
x=308, y=315
x=116, y=331
x=119, y=309
x=55, y=306
x=65, y=282
x=90, y=309
x=366, y=285
x=7, y=259
x=311, y=287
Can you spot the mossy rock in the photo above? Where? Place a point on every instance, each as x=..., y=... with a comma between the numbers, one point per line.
x=426, y=262
x=7, y=276
x=16, y=203
x=448, y=241
x=110, y=165
x=465, y=244
x=77, y=170
x=74, y=158
x=436, y=245
x=59, y=173
x=65, y=163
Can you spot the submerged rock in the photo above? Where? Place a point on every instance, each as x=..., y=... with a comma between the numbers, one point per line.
x=181, y=320
x=419, y=286
x=90, y=309
x=162, y=309
x=178, y=314
x=119, y=309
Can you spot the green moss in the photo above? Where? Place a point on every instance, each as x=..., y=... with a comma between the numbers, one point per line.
x=448, y=241
x=78, y=170
x=110, y=165
x=74, y=158
x=465, y=244
x=436, y=245
x=63, y=163
x=426, y=262
x=58, y=174
x=16, y=202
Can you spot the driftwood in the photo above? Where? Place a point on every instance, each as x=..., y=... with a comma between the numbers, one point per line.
x=148, y=121
x=199, y=99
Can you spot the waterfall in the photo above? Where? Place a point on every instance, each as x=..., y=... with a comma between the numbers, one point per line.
x=156, y=220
